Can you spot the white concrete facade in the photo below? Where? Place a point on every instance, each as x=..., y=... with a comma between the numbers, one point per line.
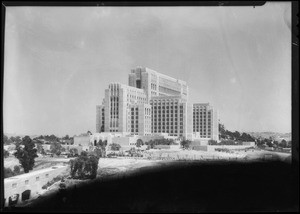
x=32, y=181
x=138, y=108
x=205, y=121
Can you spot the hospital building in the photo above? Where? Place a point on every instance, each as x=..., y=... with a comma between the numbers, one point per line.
x=154, y=103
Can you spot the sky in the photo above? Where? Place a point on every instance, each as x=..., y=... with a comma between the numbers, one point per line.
x=59, y=60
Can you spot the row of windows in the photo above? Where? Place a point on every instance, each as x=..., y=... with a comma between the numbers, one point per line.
x=153, y=86
x=163, y=102
x=166, y=127
x=166, y=107
x=163, y=131
x=14, y=185
x=166, y=111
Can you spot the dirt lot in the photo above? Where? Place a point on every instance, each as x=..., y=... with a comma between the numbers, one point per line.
x=239, y=155
x=119, y=166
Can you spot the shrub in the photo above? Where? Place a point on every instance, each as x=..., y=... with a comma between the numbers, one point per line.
x=54, y=180
x=56, y=148
x=115, y=147
x=152, y=143
x=185, y=144
x=17, y=169
x=212, y=142
x=6, y=154
x=84, y=166
x=8, y=173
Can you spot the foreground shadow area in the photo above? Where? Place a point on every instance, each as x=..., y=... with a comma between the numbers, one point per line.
x=185, y=187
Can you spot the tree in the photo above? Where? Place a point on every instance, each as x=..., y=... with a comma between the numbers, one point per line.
x=5, y=140
x=6, y=153
x=26, y=153
x=98, y=152
x=185, y=144
x=71, y=141
x=269, y=143
x=115, y=147
x=84, y=166
x=283, y=143
x=17, y=170
x=139, y=143
x=221, y=129
x=56, y=148
x=73, y=151
x=16, y=139
x=101, y=148
x=103, y=143
x=275, y=143
x=236, y=135
x=212, y=142
x=8, y=173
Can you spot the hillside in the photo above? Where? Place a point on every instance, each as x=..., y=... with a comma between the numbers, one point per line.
x=275, y=135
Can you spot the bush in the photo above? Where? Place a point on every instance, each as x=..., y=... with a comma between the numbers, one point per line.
x=185, y=144
x=17, y=169
x=84, y=166
x=212, y=142
x=115, y=147
x=8, y=173
x=139, y=143
x=6, y=154
x=56, y=148
x=49, y=183
x=152, y=143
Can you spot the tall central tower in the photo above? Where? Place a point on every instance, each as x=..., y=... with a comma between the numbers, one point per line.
x=157, y=84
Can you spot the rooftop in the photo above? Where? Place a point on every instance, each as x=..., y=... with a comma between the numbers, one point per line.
x=31, y=174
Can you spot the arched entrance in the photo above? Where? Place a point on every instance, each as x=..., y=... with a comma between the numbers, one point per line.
x=26, y=195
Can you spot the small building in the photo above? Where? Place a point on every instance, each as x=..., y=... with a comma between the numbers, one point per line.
x=83, y=140
x=26, y=186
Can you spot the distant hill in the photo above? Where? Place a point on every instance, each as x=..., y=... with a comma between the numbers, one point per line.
x=275, y=135
x=20, y=135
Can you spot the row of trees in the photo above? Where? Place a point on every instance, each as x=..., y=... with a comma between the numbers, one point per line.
x=225, y=134
x=27, y=150
x=12, y=139
x=47, y=138
x=273, y=143
x=8, y=172
x=152, y=143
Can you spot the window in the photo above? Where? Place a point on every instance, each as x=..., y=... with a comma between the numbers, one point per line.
x=37, y=178
x=26, y=182
x=47, y=175
x=14, y=185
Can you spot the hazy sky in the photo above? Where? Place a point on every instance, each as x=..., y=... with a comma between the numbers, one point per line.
x=59, y=60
